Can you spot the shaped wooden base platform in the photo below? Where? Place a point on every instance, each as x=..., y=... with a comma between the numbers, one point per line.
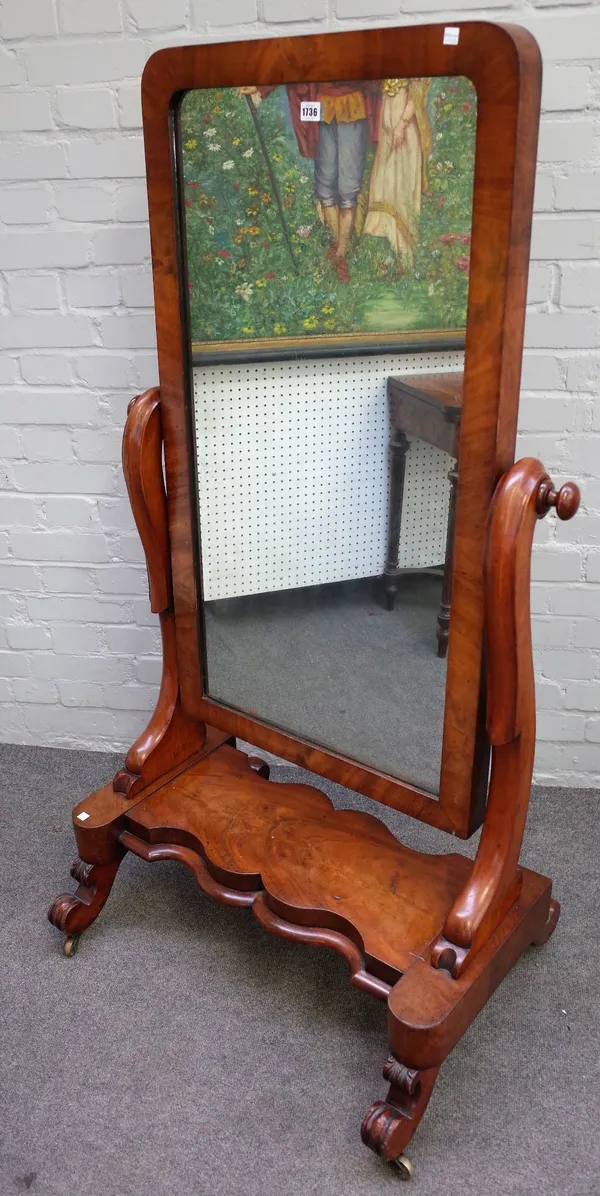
x=315, y=874
x=431, y=935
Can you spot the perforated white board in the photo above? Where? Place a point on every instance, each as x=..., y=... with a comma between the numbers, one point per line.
x=293, y=473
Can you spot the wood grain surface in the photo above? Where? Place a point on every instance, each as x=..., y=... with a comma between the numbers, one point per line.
x=504, y=65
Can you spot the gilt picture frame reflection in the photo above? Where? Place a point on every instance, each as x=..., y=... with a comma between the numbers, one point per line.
x=328, y=216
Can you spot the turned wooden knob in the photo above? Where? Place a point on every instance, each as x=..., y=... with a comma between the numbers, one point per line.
x=566, y=500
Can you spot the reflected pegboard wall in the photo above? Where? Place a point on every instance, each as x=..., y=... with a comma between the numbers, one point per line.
x=293, y=473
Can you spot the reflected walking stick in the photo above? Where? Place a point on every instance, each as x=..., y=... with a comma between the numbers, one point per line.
x=273, y=180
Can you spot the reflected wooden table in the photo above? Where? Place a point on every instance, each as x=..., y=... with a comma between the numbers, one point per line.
x=428, y=407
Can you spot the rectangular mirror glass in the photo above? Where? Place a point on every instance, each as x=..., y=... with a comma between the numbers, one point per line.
x=327, y=236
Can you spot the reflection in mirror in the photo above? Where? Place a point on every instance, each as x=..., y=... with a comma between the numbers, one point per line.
x=327, y=233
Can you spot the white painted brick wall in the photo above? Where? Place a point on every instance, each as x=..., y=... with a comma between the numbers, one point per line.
x=79, y=649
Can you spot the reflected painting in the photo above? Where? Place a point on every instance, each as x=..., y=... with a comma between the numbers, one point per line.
x=327, y=243
x=327, y=216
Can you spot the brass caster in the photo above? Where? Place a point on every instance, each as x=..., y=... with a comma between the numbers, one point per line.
x=71, y=944
x=404, y=1166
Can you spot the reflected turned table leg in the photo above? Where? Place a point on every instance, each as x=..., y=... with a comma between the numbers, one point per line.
x=399, y=446
x=443, y=619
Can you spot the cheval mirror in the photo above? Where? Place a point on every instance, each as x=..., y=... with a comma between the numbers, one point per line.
x=334, y=528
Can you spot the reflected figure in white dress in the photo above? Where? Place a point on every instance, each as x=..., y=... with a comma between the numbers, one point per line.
x=399, y=175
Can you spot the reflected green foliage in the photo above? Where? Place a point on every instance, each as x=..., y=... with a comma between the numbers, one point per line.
x=248, y=283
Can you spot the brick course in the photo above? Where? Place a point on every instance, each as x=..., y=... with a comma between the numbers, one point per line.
x=79, y=646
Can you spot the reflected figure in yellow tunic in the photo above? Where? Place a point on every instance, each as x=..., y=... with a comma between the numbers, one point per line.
x=399, y=175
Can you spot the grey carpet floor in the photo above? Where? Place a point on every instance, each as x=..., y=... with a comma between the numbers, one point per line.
x=184, y=1052
x=332, y=665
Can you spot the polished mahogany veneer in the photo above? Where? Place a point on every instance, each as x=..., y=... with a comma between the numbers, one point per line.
x=431, y=935
x=504, y=65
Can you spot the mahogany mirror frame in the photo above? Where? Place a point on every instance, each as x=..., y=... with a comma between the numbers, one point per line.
x=503, y=63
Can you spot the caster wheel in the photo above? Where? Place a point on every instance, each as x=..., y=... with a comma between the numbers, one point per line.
x=404, y=1166
x=71, y=944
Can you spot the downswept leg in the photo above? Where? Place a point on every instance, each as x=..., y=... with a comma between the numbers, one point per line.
x=73, y=913
x=171, y=736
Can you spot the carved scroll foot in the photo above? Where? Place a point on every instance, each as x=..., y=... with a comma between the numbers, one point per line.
x=73, y=913
x=549, y=925
x=390, y=1124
